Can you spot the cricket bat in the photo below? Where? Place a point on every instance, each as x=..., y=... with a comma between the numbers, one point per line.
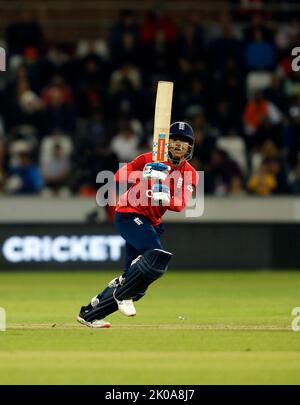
x=162, y=120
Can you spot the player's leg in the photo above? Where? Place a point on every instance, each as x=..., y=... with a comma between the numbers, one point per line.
x=131, y=254
x=138, y=231
x=147, y=268
x=144, y=270
x=141, y=237
x=159, y=231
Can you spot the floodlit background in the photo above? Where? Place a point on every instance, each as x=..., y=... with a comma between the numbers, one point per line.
x=78, y=98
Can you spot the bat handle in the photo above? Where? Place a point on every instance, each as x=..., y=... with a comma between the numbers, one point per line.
x=160, y=184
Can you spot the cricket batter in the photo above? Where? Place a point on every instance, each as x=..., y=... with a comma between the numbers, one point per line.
x=140, y=225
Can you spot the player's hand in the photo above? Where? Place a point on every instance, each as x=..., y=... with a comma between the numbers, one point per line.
x=155, y=170
x=160, y=193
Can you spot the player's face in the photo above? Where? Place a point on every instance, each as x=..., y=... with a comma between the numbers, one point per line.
x=178, y=147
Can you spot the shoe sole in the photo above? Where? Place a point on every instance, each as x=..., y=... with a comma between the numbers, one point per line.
x=128, y=315
x=90, y=325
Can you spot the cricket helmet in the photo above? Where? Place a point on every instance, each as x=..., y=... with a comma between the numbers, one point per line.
x=183, y=131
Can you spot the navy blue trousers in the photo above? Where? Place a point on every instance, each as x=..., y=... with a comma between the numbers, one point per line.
x=140, y=235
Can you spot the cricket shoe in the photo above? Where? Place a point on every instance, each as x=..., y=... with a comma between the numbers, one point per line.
x=126, y=307
x=97, y=323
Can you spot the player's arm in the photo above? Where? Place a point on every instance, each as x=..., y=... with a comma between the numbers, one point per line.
x=127, y=172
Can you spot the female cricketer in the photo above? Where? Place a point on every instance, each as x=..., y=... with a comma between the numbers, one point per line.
x=166, y=186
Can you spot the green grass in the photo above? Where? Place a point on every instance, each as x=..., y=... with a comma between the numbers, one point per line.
x=237, y=330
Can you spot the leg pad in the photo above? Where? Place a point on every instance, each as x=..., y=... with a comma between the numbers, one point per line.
x=143, y=271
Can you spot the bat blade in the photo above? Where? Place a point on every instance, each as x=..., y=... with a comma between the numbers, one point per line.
x=162, y=120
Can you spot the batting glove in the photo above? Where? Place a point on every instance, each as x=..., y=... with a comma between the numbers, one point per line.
x=156, y=170
x=160, y=193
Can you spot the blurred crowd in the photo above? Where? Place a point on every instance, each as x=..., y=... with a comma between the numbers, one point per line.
x=70, y=111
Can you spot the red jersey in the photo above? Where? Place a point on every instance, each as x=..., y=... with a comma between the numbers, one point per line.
x=181, y=180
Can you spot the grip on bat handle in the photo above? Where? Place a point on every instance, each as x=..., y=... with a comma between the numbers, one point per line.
x=160, y=184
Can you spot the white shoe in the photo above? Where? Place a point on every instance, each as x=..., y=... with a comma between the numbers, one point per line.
x=97, y=323
x=126, y=307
